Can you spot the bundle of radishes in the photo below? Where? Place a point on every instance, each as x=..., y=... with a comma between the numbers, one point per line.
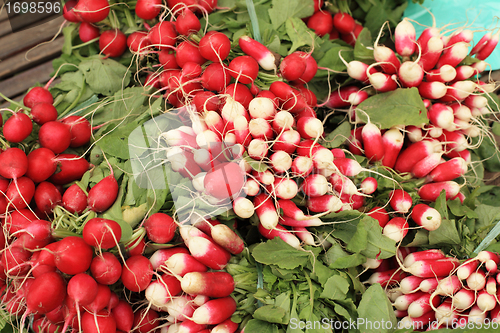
x=434, y=291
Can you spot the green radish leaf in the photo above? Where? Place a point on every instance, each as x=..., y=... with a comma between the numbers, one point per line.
x=336, y=288
x=332, y=60
x=282, y=10
x=127, y=105
x=352, y=260
x=458, y=209
x=338, y=136
x=258, y=166
x=256, y=325
x=115, y=143
x=363, y=49
x=299, y=33
x=487, y=215
x=271, y=314
x=447, y=233
x=495, y=128
x=105, y=76
x=375, y=307
x=401, y=106
x=421, y=238
x=277, y=252
x=490, y=197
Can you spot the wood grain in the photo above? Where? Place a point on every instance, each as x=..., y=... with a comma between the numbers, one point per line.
x=22, y=40
x=20, y=83
x=18, y=62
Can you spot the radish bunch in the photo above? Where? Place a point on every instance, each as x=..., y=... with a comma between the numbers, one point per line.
x=434, y=291
x=340, y=25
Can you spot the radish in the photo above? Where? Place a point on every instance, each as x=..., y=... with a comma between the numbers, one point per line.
x=50, y=283
x=426, y=217
x=259, y=52
x=87, y=32
x=42, y=113
x=160, y=228
x=69, y=13
x=426, y=165
x=227, y=238
x=18, y=127
x=18, y=220
x=259, y=128
x=244, y=69
x=208, y=252
x=232, y=176
x=47, y=197
x=432, y=90
x=80, y=130
x=404, y=38
x=396, y=229
x=410, y=284
x=101, y=301
x=82, y=289
x=414, y=153
x=74, y=199
x=459, y=91
x=379, y=214
x=187, y=23
x=13, y=163
x=400, y=201
x=431, y=191
x=453, y=55
x=35, y=235
x=315, y=185
x=55, y=136
x=343, y=22
x=162, y=290
x=148, y=9
x=257, y=149
x=293, y=66
x=311, y=68
x=488, y=48
x=281, y=232
x=19, y=193
x=383, y=82
x=321, y=22
x=146, y=320
x=227, y=326
x=413, y=257
x=105, y=268
x=215, y=46
x=137, y=273
x=422, y=305
x=92, y=11
x=433, y=267
x=431, y=52
x=449, y=170
x=410, y=74
x=464, y=299
x=215, y=311
x=112, y=43
x=445, y=73
x=124, y=316
x=215, y=77
x=375, y=150
x=101, y=322
x=73, y=255
x=183, y=263
x=211, y=284
x=240, y=93
x=102, y=233
x=163, y=36
x=387, y=278
x=404, y=301
x=310, y=127
x=159, y=257
x=37, y=95
x=103, y=194
x=368, y=185
x=291, y=222
x=302, y=166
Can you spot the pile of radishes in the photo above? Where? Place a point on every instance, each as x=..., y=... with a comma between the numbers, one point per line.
x=431, y=290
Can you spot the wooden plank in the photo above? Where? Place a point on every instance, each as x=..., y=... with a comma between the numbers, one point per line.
x=13, y=43
x=20, y=83
x=18, y=62
x=5, y=28
x=19, y=98
x=24, y=22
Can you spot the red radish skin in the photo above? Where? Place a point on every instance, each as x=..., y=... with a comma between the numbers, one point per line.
x=403, y=302
x=69, y=13
x=106, y=269
x=211, y=284
x=215, y=46
x=387, y=278
x=148, y=9
x=80, y=130
x=183, y=263
x=73, y=255
x=163, y=36
x=488, y=48
x=244, y=69
x=19, y=193
x=187, y=23
x=159, y=257
x=208, y=252
x=426, y=217
x=232, y=176
x=445, y=73
x=37, y=95
x=259, y=52
x=431, y=52
x=13, y=163
x=433, y=267
x=162, y=290
x=453, y=55
x=227, y=238
x=82, y=289
x=404, y=38
x=343, y=23
x=137, y=273
x=188, y=51
x=431, y=191
x=47, y=197
x=101, y=322
x=55, y=136
x=449, y=170
x=160, y=228
x=215, y=77
x=423, y=255
x=321, y=22
x=18, y=127
x=422, y=306
x=315, y=185
x=87, y=32
x=101, y=301
x=50, y=283
x=102, y=233
x=293, y=66
x=375, y=149
x=410, y=284
x=35, y=235
x=281, y=232
x=396, y=229
x=410, y=74
x=74, y=199
x=311, y=68
x=102, y=195
x=124, y=315
x=379, y=214
x=215, y=311
x=369, y=185
x=414, y=153
x=112, y=43
x=42, y=113
x=92, y=11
